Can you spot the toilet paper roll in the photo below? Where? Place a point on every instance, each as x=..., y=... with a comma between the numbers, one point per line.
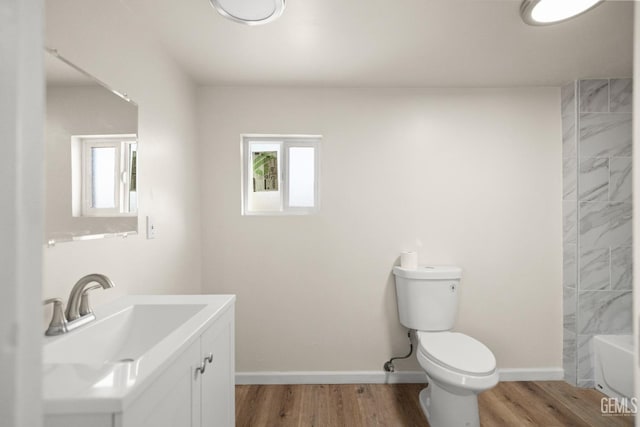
x=409, y=260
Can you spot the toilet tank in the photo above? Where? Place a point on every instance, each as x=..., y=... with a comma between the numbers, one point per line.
x=428, y=296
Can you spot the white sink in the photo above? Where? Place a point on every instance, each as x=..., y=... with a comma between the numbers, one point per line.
x=104, y=365
x=125, y=336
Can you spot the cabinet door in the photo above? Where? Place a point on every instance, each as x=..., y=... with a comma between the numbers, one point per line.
x=167, y=402
x=78, y=420
x=217, y=403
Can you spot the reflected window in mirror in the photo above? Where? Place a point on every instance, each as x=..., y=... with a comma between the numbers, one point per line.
x=105, y=174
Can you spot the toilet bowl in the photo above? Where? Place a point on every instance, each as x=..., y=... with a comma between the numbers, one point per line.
x=458, y=367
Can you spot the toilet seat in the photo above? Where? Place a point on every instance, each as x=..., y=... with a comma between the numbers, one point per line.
x=457, y=352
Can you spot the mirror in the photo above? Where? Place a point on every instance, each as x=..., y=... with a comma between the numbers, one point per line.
x=91, y=139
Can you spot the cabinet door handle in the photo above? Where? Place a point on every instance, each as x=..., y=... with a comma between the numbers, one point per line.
x=203, y=366
x=200, y=369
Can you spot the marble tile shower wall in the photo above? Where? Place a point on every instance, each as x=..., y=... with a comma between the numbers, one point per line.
x=597, y=211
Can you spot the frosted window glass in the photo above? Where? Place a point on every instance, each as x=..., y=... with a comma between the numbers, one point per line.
x=301, y=177
x=103, y=177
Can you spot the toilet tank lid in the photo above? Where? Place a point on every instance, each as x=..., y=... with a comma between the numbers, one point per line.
x=429, y=272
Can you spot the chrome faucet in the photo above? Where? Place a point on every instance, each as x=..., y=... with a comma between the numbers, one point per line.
x=78, y=311
x=79, y=292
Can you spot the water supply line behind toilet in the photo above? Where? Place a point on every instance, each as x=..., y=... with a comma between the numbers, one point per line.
x=388, y=366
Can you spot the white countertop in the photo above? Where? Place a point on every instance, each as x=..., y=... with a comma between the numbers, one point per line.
x=74, y=385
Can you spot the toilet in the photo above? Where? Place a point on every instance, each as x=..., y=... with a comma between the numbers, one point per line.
x=458, y=367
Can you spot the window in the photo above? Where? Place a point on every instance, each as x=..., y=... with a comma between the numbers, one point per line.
x=108, y=184
x=280, y=174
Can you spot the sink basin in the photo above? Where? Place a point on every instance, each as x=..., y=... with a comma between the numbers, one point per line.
x=125, y=336
x=104, y=365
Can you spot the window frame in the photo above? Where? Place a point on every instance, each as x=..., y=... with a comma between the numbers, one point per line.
x=122, y=167
x=285, y=142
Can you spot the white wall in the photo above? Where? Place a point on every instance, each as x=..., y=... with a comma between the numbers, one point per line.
x=472, y=174
x=21, y=218
x=107, y=40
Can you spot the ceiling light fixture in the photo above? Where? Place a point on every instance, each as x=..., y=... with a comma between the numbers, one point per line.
x=545, y=12
x=250, y=12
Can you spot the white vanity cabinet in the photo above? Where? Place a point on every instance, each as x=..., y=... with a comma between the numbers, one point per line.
x=198, y=390
x=195, y=387
x=214, y=390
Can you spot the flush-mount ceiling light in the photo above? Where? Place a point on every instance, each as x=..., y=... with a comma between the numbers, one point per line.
x=545, y=12
x=250, y=12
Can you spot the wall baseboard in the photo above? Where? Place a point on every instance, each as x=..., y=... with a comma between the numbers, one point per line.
x=379, y=377
x=330, y=377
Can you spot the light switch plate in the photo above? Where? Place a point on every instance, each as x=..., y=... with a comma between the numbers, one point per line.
x=151, y=228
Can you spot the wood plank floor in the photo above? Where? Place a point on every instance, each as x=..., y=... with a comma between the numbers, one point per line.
x=540, y=403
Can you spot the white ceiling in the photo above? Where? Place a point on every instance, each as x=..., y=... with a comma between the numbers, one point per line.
x=403, y=43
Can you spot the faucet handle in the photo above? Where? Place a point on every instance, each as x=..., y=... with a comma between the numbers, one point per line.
x=85, y=308
x=58, y=324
